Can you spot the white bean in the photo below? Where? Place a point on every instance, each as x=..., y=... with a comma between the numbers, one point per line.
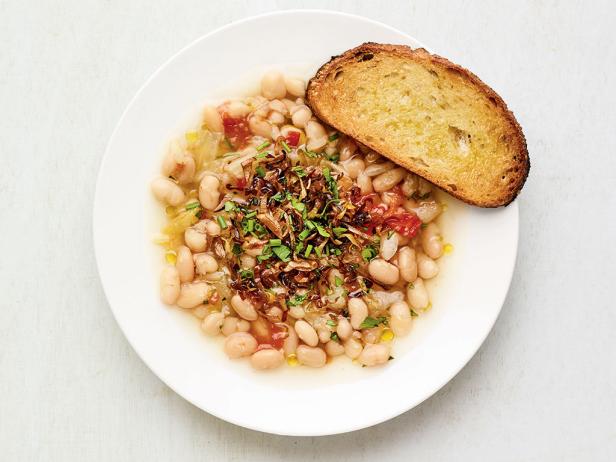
x=347, y=148
x=247, y=261
x=240, y=344
x=195, y=239
x=409, y=185
x=358, y=311
x=297, y=312
x=407, y=263
x=311, y=356
x=200, y=311
x=426, y=267
x=237, y=109
x=400, y=321
x=279, y=106
x=243, y=325
x=272, y=85
x=205, y=263
x=306, y=333
x=276, y=118
x=374, y=354
x=365, y=183
x=377, y=169
x=300, y=115
x=431, y=241
x=344, y=328
x=209, y=195
x=388, y=246
x=426, y=211
x=212, y=119
x=386, y=181
x=354, y=167
x=295, y=87
x=185, y=264
x=244, y=308
x=169, y=285
x=260, y=126
x=324, y=334
x=193, y=294
x=167, y=191
x=229, y=326
x=333, y=348
x=212, y=323
x=212, y=228
x=417, y=294
x=316, y=135
x=352, y=348
x=266, y=359
x=290, y=343
x=383, y=271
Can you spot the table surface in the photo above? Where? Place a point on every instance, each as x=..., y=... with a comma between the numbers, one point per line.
x=542, y=387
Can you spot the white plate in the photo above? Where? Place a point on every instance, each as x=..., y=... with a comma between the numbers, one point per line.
x=293, y=401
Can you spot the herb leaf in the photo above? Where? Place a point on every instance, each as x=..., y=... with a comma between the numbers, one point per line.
x=372, y=322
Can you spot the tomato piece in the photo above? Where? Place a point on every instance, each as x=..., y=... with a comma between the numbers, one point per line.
x=236, y=130
x=241, y=183
x=292, y=138
x=407, y=224
x=267, y=334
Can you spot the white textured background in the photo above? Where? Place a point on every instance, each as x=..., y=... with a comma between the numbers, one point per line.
x=542, y=387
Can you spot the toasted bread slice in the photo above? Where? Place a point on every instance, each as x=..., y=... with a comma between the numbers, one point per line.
x=428, y=115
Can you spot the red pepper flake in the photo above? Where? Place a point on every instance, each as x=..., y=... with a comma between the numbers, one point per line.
x=241, y=183
x=292, y=138
x=407, y=224
x=236, y=130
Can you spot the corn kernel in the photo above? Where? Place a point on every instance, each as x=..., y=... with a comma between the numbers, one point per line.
x=191, y=137
x=447, y=249
x=292, y=360
x=387, y=335
x=171, y=257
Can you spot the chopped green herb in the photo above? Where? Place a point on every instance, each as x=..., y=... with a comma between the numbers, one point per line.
x=312, y=154
x=304, y=234
x=230, y=206
x=246, y=274
x=279, y=196
x=250, y=225
x=260, y=171
x=275, y=242
x=299, y=171
x=282, y=252
x=299, y=247
x=370, y=322
x=308, y=250
x=338, y=281
x=192, y=205
x=339, y=231
x=369, y=253
x=334, y=337
x=251, y=214
x=414, y=314
x=263, y=145
x=237, y=249
x=221, y=221
x=321, y=230
x=334, y=158
x=297, y=300
x=331, y=323
x=297, y=205
x=331, y=183
x=333, y=137
x=424, y=225
x=285, y=146
x=317, y=250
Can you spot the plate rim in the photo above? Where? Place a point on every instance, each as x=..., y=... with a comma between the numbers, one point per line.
x=155, y=370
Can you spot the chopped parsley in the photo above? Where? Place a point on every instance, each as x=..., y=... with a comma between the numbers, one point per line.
x=221, y=221
x=282, y=252
x=369, y=253
x=230, y=206
x=246, y=274
x=333, y=137
x=370, y=322
x=260, y=171
x=297, y=300
x=192, y=205
x=299, y=171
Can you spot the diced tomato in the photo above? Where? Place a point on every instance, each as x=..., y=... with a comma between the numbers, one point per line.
x=241, y=183
x=407, y=224
x=268, y=334
x=390, y=214
x=292, y=138
x=236, y=129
